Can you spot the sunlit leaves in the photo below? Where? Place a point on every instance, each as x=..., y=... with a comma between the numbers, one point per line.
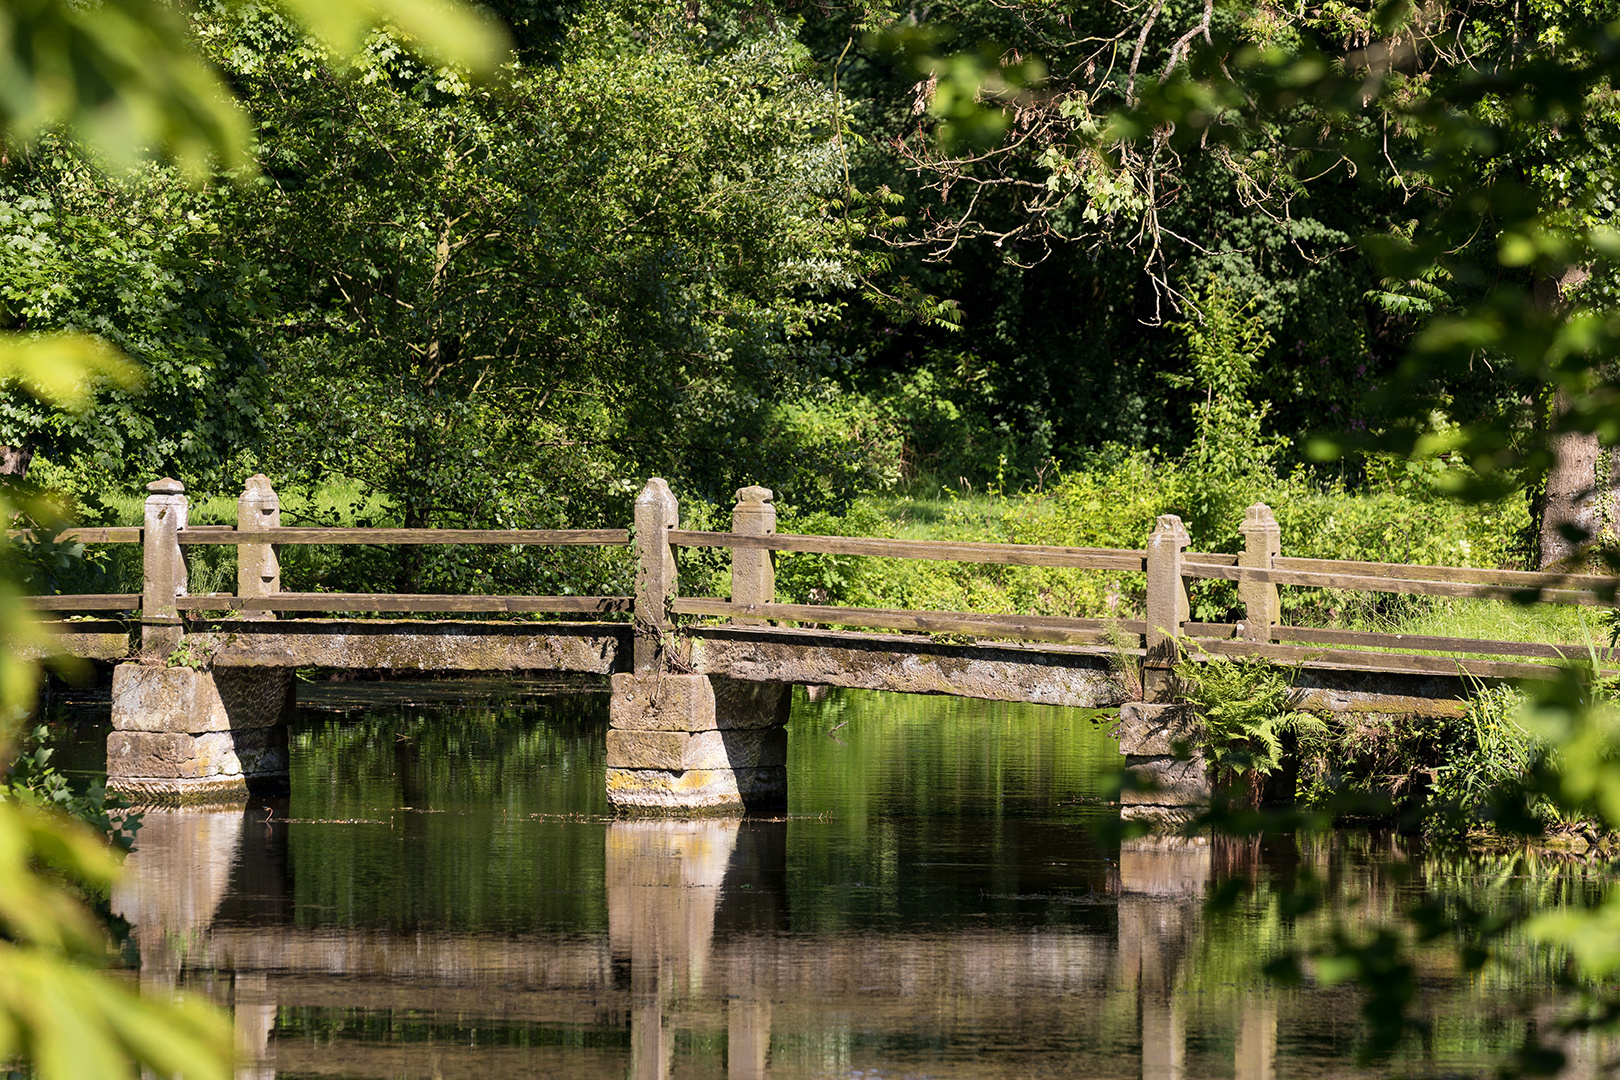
x=72, y=1023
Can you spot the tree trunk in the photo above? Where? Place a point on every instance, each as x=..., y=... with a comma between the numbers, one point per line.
x=14, y=460
x=1570, y=512
x=1578, y=503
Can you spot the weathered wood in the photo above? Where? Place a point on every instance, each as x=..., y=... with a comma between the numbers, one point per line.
x=1016, y=627
x=290, y=601
x=1262, y=540
x=122, y=534
x=1376, y=661
x=557, y=537
x=1356, y=583
x=753, y=577
x=258, y=570
x=1429, y=643
x=163, y=568
x=1167, y=606
x=87, y=602
x=932, y=550
x=657, y=514
x=1524, y=579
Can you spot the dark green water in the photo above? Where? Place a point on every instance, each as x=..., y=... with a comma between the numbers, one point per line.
x=446, y=894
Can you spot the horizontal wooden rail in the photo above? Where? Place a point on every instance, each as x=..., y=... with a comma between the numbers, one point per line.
x=1524, y=579
x=1417, y=586
x=1370, y=639
x=1397, y=663
x=590, y=537
x=122, y=534
x=935, y=550
x=290, y=601
x=87, y=602
x=1429, y=643
x=1050, y=629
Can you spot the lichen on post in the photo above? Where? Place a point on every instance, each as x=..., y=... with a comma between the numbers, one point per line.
x=753, y=578
x=163, y=568
x=258, y=570
x=657, y=513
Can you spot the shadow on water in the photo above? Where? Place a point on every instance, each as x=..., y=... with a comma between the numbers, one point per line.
x=443, y=895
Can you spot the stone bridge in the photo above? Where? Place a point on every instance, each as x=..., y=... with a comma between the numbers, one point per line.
x=204, y=686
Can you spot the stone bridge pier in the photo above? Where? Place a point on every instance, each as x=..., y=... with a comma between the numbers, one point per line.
x=681, y=743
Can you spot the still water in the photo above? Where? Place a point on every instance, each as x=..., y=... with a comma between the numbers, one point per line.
x=447, y=894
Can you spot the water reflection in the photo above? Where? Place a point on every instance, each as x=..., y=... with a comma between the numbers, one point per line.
x=376, y=926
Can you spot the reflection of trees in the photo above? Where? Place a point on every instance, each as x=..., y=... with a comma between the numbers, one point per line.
x=408, y=779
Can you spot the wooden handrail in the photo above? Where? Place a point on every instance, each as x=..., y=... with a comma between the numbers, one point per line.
x=1528, y=591
x=290, y=601
x=563, y=537
x=87, y=602
x=1043, y=628
x=934, y=550
x=121, y=534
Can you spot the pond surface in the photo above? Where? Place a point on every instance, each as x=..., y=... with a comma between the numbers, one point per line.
x=446, y=894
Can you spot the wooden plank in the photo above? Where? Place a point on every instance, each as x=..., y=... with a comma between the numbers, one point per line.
x=122, y=534
x=935, y=550
x=1462, y=590
x=1216, y=558
x=1468, y=574
x=1209, y=629
x=1429, y=643
x=1015, y=627
x=1395, y=663
x=405, y=602
x=592, y=537
x=87, y=602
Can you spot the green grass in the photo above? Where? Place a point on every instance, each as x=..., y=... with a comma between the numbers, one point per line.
x=1496, y=620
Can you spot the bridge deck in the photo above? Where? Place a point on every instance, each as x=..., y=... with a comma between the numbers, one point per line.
x=1073, y=675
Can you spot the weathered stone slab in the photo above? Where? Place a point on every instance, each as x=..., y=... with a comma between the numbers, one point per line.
x=1176, y=782
x=1148, y=730
x=661, y=702
x=666, y=702
x=150, y=697
x=99, y=639
x=696, y=790
x=1044, y=674
x=169, y=755
x=420, y=645
x=739, y=704
x=681, y=750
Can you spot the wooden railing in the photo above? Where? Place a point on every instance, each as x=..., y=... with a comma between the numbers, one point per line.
x=1160, y=638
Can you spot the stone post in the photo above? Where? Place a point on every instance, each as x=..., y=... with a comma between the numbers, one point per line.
x=258, y=571
x=753, y=578
x=1262, y=542
x=1167, y=606
x=657, y=513
x=164, y=568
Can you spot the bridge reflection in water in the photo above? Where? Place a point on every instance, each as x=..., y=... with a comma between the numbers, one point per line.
x=698, y=967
